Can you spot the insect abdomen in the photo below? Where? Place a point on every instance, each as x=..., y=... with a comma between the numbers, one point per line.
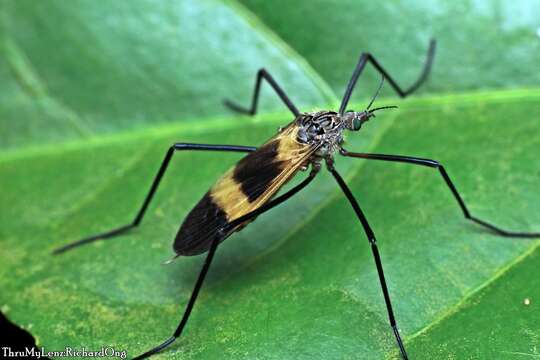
x=200, y=227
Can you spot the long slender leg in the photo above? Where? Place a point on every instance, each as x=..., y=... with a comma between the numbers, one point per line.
x=451, y=186
x=138, y=218
x=368, y=58
x=212, y=251
x=374, y=249
x=263, y=74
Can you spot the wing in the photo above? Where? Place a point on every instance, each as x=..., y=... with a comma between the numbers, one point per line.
x=252, y=182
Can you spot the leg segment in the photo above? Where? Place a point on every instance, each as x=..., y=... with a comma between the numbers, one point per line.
x=153, y=188
x=449, y=183
x=368, y=58
x=210, y=256
x=263, y=74
x=374, y=249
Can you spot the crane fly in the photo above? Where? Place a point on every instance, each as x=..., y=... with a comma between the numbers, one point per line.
x=250, y=187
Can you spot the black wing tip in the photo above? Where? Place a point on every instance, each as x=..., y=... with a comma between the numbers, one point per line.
x=200, y=227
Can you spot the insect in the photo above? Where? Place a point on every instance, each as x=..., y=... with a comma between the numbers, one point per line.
x=250, y=188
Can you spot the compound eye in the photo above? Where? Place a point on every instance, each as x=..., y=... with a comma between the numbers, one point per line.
x=356, y=124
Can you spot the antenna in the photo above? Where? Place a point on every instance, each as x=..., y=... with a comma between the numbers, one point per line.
x=376, y=93
x=383, y=107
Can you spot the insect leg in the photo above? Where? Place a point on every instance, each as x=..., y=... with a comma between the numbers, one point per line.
x=263, y=74
x=368, y=58
x=374, y=249
x=449, y=183
x=138, y=218
x=249, y=216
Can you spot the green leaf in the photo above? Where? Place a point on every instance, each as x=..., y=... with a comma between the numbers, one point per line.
x=474, y=330
x=481, y=44
x=124, y=65
x=93, y=94
x=299, y=282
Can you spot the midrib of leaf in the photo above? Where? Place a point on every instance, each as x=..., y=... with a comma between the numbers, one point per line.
x=28, y=78
x=282, y=45
x=202, y=125
x=129, y=164
x=461, y=304
x=194, y=126
x=470, y=97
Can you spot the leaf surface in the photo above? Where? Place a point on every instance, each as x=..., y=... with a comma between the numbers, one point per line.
x=482, y=44
x=300, y=281
x=129, y=65
x=92, y=95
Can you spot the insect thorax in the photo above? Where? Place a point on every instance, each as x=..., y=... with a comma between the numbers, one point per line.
x=323, y=129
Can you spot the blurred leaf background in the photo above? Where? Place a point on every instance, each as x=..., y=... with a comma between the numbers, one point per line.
x=93, y=93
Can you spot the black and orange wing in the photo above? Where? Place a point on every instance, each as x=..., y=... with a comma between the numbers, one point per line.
x=251, y=183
